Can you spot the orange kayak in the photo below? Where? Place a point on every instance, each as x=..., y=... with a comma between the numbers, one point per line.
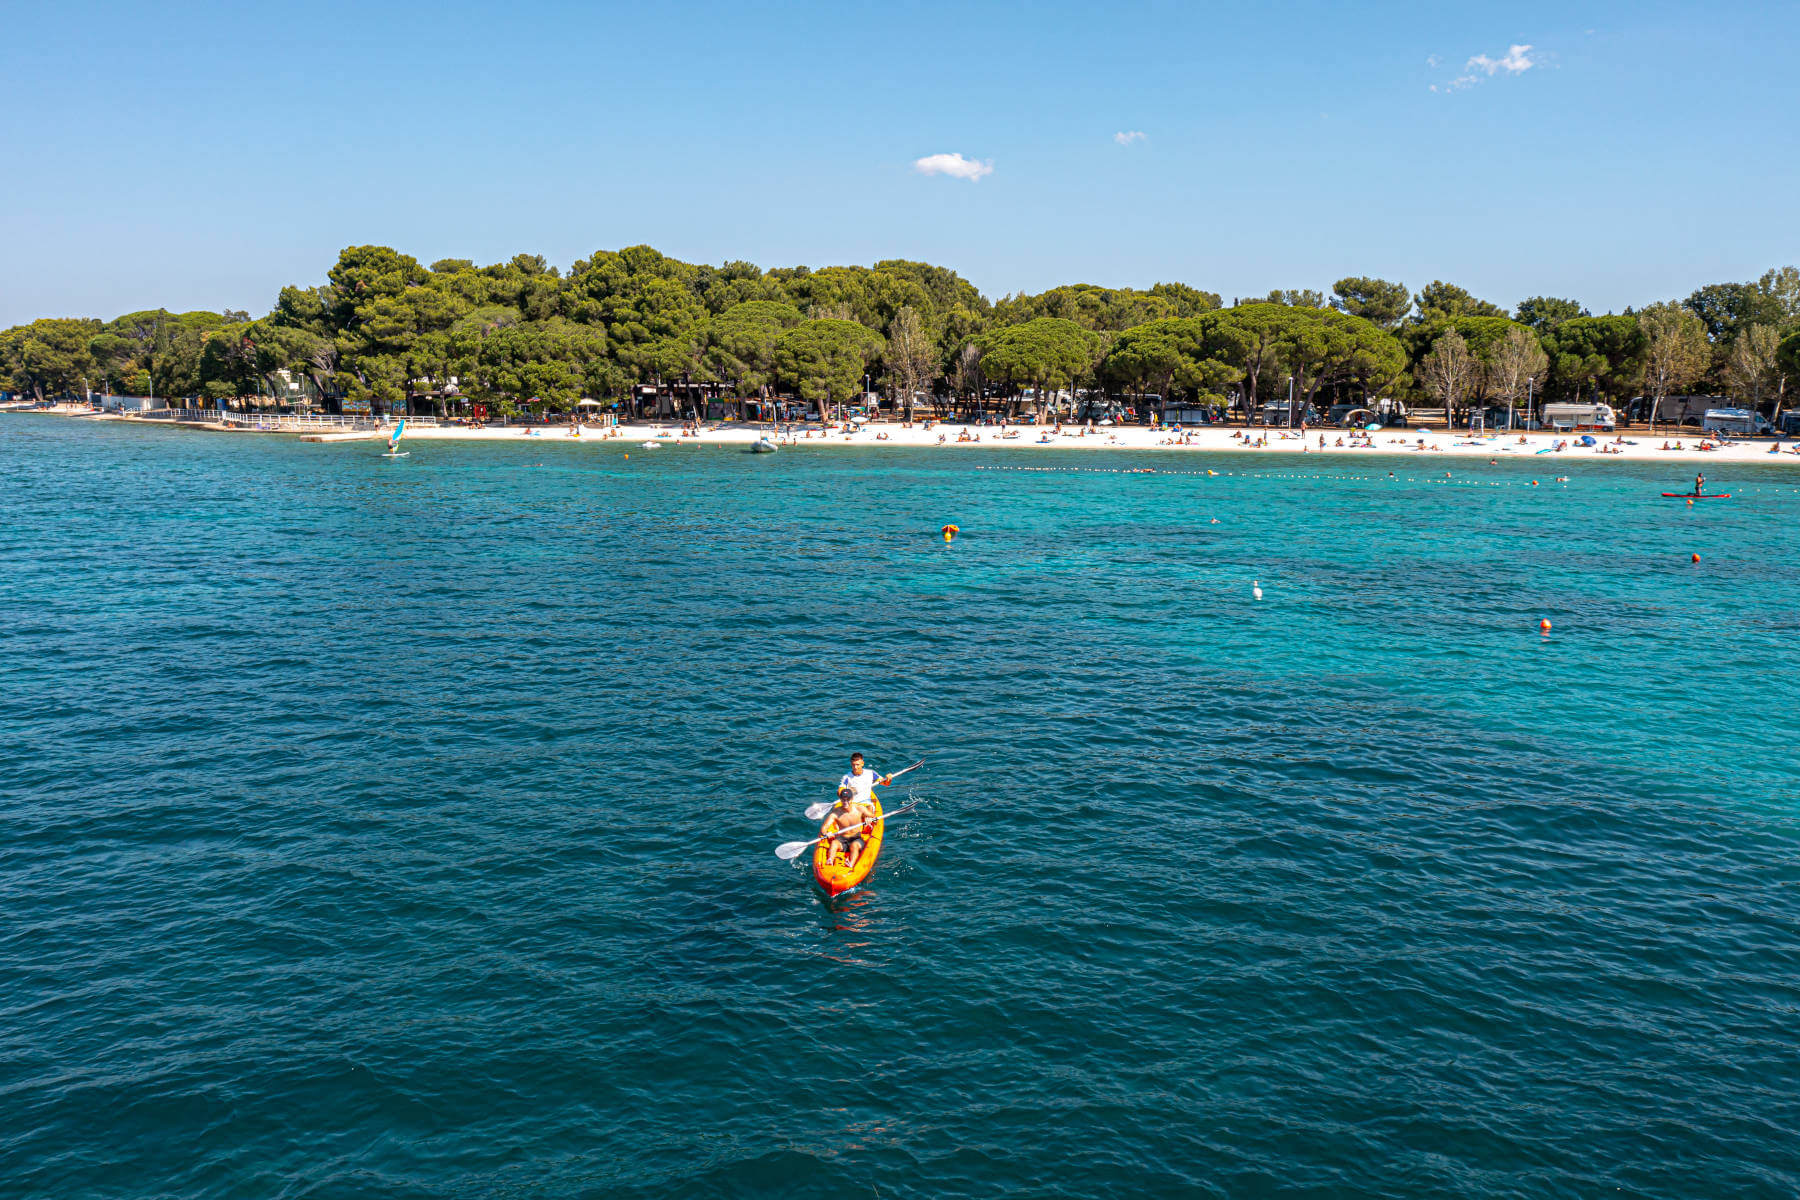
x=831, y=870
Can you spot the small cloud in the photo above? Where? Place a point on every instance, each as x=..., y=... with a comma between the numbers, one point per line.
x=953, y=165
x=1125, y=138
x=1434, y=61
x=1516, y=61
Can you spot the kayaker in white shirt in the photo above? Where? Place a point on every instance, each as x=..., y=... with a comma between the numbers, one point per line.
x=861, y=780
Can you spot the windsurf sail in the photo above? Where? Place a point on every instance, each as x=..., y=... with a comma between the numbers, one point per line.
x=394, y=438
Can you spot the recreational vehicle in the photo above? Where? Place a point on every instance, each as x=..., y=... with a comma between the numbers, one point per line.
x=1578, y=416
x=1734, y=420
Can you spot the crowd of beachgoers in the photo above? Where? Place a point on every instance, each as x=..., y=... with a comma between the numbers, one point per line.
x=932, y=433
x=928, y=432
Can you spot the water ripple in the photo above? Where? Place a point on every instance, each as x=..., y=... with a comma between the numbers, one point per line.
x=403, y=829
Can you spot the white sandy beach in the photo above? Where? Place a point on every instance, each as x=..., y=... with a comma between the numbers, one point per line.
x=949, y=436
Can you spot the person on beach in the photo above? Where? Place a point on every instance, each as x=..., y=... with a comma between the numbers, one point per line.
x=847, y=824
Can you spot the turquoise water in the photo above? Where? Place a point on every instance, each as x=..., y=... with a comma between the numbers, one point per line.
x=404, y=828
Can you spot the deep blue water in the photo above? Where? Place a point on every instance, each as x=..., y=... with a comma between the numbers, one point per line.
x=404, y=828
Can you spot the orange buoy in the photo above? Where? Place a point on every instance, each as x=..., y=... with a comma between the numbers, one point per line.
x=950, y=531
x=1696, y=558
x=1690, y=504
x=1544, y=624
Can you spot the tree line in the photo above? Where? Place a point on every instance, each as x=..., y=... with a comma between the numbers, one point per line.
x=384, y=327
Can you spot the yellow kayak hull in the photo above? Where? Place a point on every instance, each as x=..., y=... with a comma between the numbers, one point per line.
x=831, y=870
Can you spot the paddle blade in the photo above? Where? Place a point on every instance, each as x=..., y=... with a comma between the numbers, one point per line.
x=789, y=851
x=816, y=812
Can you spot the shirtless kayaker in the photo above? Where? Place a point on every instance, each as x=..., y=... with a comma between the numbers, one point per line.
x=845, y=824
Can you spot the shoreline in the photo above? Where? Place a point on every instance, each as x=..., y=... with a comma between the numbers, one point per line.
x=1635, y=447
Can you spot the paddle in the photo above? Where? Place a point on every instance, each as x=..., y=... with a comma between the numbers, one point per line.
x=816, y=812
x=788, y=851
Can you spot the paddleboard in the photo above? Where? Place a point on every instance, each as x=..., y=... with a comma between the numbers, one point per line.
x=1691, y=496
x=401, y=454
x=831, y=869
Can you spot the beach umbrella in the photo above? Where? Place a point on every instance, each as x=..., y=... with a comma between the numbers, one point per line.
x=586, y=402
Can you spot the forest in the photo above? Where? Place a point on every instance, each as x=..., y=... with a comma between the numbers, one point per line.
x=385, y=331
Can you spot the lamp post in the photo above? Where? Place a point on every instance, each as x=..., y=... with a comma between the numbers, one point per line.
x=1290, y=402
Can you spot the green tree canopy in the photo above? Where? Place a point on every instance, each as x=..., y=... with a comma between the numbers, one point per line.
x=1481, y=338
x=1378, y=301
x=1438, y=300
x=1602, y=353
x=1726, y=309
x=1297, y=297
x=1049, y=352
x=555, y=361
x=1170, y=356
x=49, y=357
x=741, y=342
x=1106, y=309
x=645, y=301
x=1547, y=312
x=824, y=359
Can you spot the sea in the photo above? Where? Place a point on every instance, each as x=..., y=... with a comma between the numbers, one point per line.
x=405, y=827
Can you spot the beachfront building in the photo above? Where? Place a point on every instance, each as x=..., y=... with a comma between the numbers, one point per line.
x=681, y=398
x=131, y=404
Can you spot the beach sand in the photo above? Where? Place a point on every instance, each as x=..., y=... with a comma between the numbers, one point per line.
x=1684, y=448
x=1213, y=439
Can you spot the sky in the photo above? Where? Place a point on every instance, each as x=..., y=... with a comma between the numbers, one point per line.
x=203, y=156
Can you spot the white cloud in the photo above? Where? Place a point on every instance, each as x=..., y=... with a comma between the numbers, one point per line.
x=1126, y=137
x=954, y=165
x=1516, y=61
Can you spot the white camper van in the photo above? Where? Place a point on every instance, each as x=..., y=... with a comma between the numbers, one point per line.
x=1579, y=416
x=1734, y=420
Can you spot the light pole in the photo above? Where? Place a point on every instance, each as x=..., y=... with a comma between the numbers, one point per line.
x=1290, y=402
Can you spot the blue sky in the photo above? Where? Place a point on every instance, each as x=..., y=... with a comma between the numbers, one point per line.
x=201, y=156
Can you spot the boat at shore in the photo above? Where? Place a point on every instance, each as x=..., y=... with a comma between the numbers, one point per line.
x=763, y=445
